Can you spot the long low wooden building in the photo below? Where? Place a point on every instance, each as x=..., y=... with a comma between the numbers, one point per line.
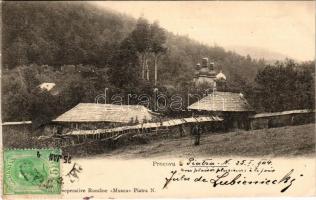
x=284, y=118
x=93, y=116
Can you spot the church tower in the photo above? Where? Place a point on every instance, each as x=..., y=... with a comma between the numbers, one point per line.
x=206, y=74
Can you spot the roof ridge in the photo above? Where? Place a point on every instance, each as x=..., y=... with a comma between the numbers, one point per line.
x=109, y=104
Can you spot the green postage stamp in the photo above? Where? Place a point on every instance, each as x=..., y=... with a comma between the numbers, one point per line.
x=31, y=171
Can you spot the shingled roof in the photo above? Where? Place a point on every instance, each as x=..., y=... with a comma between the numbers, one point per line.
x=92, y=112
x=288, y=112
x=222, y=101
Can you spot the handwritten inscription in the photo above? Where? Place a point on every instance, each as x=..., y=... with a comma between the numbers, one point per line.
x=73, y=173
x=230, y=172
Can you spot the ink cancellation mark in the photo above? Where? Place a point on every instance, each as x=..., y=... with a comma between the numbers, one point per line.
x=30, y=171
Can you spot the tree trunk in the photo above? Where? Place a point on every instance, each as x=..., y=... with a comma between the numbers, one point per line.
x=143, y=66
x=156, y=68
x=147, y=70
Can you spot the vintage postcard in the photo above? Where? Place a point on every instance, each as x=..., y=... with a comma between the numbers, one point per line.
x=157, y=99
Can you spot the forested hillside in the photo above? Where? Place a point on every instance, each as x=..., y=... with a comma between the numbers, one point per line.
x=84, y=50
x=72, y=33
x=58, y=33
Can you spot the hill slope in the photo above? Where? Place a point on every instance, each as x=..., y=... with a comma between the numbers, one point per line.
x=283, y=141
x=59, y=33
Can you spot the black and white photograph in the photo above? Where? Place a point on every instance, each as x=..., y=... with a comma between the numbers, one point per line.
x=155, y=99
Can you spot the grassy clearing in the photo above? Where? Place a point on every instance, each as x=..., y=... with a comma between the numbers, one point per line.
x=284, y=141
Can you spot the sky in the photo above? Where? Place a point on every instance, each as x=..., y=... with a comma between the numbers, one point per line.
x=286, y=27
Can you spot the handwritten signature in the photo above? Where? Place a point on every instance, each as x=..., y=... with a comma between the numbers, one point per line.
x=227, y=178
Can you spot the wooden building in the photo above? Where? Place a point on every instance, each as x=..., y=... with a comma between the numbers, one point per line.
x=232, y=107
x=13, y=130
x=22, y=126
x=93, y=116
x=285, y=118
